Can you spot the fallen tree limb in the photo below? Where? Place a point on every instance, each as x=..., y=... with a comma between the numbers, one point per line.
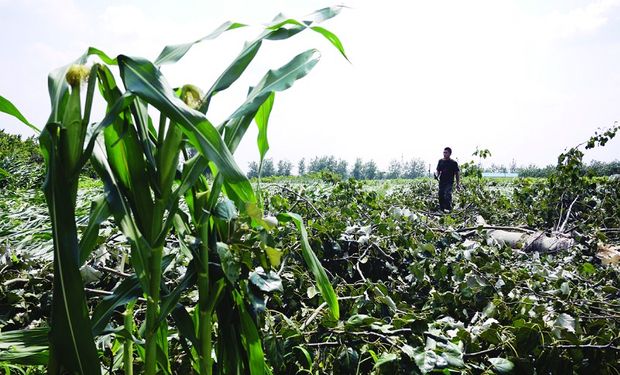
x=538, y=241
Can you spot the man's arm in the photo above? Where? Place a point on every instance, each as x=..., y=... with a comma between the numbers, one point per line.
x=458, y=179
x=438, y=171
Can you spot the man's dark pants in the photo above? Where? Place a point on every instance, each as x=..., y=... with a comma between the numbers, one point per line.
x=445, y=196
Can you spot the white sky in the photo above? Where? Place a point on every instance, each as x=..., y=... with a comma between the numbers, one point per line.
x=525, y=79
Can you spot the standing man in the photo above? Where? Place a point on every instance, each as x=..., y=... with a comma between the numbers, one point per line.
x=447, y=170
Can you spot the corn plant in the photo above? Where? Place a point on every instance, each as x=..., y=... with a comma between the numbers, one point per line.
x=137, y=157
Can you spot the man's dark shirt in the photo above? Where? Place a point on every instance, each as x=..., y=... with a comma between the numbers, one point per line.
x=448, y=169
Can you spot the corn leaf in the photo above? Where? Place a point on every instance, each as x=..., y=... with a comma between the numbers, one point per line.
x=71, y=339
x=262, y=120
x=325, y=287
x=26, y=346
x=173, y=53
x=143, y=78
x=272, y=32
x=7, y=107
x=99, y=212
x=333, y=39
x=278, y=80
x=252, y=342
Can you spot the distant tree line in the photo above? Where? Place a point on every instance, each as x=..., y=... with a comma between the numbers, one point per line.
x=595, y=168
x=361, y=170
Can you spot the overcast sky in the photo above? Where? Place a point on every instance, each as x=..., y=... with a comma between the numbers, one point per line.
x=525, y=79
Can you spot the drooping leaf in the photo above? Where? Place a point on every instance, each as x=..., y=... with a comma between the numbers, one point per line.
x=313, y=263
x=333, y=39
x=173, y=53
x=7, y=107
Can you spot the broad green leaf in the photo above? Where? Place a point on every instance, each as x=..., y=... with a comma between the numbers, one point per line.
x=274, y=255
x=385, y=358
x=262, y=120
x=7, y=107
x=566, y=322
x=143, y=78
x=267, y=282
x=230, y=266
x=327, y=291
x=502, y=365
x=360, y=320
x=173, y=53
x=278, y=80
x=425, y=360
x=225, y=210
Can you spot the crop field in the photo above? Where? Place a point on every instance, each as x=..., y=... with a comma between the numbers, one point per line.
x=418, y=291
x=134, y=243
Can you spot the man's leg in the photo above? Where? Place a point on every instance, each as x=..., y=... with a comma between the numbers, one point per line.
x=448, y=197
x=442, y=196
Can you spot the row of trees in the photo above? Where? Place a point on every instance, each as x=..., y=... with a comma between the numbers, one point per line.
x=595, y=168
x=361, y=170
x=368, y=170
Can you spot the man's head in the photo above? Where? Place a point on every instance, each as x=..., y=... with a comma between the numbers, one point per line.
x=447, y=152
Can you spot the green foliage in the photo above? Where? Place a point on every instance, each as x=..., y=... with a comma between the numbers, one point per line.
x=21, y=162
x=149, y=191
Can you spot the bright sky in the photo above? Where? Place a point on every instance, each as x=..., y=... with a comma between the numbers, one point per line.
x=525, y=79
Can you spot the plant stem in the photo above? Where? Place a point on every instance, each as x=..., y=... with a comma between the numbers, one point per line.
x=152, y=311
x=204, y=323
x=128, y=345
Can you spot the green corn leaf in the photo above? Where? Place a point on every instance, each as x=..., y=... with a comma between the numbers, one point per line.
x=241, y=62
x=25, y=346
x=173, y=53
x=163, y=359
x=7, y=107
x=140, y=249
x=278, y=80
x=170, y=299
x=333, y=39
x=143, y=78
x=327, y=291
x=71, y=339
x=99, y=212
x=252, y=343
x=231, y=73
x=102, y=55
x=128, y=290
x=262, y=120
x=184, y=324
